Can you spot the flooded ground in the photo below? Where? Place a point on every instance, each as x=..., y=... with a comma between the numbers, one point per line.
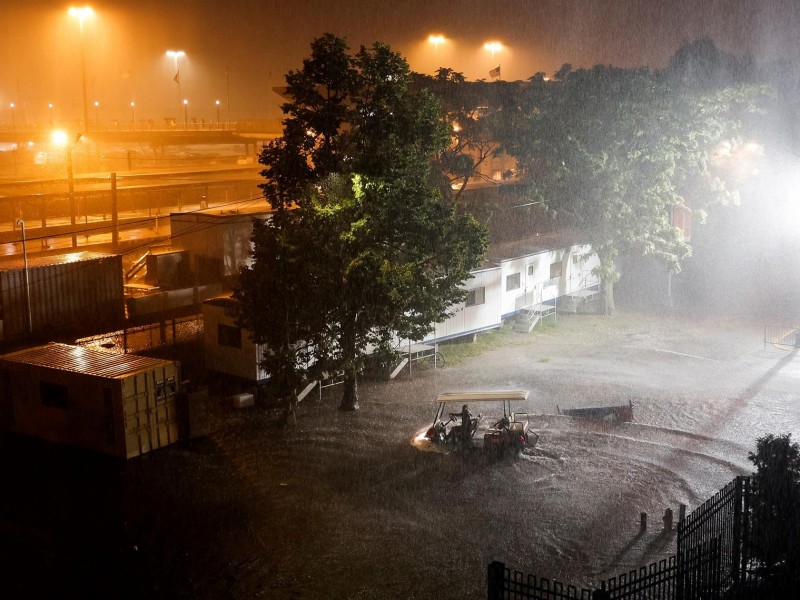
x=344, y=505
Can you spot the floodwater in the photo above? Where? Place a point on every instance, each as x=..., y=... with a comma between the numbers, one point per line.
x=345, y=506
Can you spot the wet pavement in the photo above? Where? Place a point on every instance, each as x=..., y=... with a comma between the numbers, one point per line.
x=344, y=505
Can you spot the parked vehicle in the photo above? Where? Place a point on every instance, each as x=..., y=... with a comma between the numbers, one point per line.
x=496, y=427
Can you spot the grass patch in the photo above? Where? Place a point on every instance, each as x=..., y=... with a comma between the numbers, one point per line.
x=456, y=352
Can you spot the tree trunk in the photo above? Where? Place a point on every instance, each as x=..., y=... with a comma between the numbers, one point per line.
x=350, y=387
x=608, y=296
x=350, y=392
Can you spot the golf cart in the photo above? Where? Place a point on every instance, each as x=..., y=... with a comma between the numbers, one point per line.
x=496, y=427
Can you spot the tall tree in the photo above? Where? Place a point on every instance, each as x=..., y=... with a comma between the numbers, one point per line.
x=776, y=505
x=614, y=151
x=361, y=249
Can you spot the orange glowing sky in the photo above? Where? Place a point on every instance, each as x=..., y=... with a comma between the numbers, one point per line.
x=256, y=41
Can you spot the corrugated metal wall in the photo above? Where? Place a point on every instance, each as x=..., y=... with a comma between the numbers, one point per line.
x=82, y=297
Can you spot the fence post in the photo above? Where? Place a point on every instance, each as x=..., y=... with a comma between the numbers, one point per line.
x=737, y=531
x=602, y=593
x=494, y=580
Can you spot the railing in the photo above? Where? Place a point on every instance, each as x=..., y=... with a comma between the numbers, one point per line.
x=722, y=517
x=711, y=561
x=782, y=335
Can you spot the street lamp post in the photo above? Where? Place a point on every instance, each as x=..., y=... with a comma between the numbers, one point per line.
x=82, y=14
x=21, y=225
x=13, y=122
x=133, y=114
x=50, y=106
x=217, y=114
x=186, y=114
x=175, y=55
x=96, y=115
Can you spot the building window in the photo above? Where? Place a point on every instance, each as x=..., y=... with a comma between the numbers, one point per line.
x=476, y=296
x=531, y=270
x=229, y=336
x=555, y=270
x=512, y=282
x=54, y=394
x=576, y=259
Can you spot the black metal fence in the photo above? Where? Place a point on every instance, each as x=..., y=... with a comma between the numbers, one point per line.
x=710, y=561
x=722, y=517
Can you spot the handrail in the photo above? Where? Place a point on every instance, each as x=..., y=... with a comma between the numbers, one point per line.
x=136, y=267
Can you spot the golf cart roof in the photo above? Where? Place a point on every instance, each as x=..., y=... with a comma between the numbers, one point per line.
x=482, y=396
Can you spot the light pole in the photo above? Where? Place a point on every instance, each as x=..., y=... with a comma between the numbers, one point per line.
x=21, y=225
x=61, y=138
x=50, y=106
x=13, y=122
x=133, y=114
x=82, y=14
x=96, y=115
x=186, y=114
x=175, y=55
x=217, y=114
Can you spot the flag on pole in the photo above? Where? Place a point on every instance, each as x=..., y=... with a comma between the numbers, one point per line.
x=177, y=78
x=495, y=73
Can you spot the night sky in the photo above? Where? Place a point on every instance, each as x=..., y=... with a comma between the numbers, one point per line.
x=256, y=41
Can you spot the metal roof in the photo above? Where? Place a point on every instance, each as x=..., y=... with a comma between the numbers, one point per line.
x=483, y=396
x=76, y=359
x=17, y=263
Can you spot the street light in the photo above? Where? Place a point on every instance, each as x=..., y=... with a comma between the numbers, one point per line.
x=175, y=55
x=133, y=114
x=50, y=106
x=217, y=114
x=97, y=114
x=186, y=114
x=83, y=13
x=493, y=47
x=21, y=225
x=13, y=122
x=436, y=40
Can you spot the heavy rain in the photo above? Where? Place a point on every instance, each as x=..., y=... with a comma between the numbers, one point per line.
x=246, y=245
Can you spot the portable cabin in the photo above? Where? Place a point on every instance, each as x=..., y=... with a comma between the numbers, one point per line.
x=218, y=242
x=541, y=270
x=79, y=293
x=119, y=404
x=479, y=312
x=228, y=348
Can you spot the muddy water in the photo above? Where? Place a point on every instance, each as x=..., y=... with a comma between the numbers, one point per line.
x=346, y=506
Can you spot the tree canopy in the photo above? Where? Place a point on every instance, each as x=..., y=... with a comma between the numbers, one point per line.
x=615, y=151
x=776, y=504
x=361, y=249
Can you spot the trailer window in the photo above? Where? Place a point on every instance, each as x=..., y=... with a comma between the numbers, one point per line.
x=555, y=270
x=54, y=394
x=229, y=336
x=512, y=282
x=476, y=296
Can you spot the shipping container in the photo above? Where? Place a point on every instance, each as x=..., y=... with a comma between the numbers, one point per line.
x=79, y=293
x=118, y=404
